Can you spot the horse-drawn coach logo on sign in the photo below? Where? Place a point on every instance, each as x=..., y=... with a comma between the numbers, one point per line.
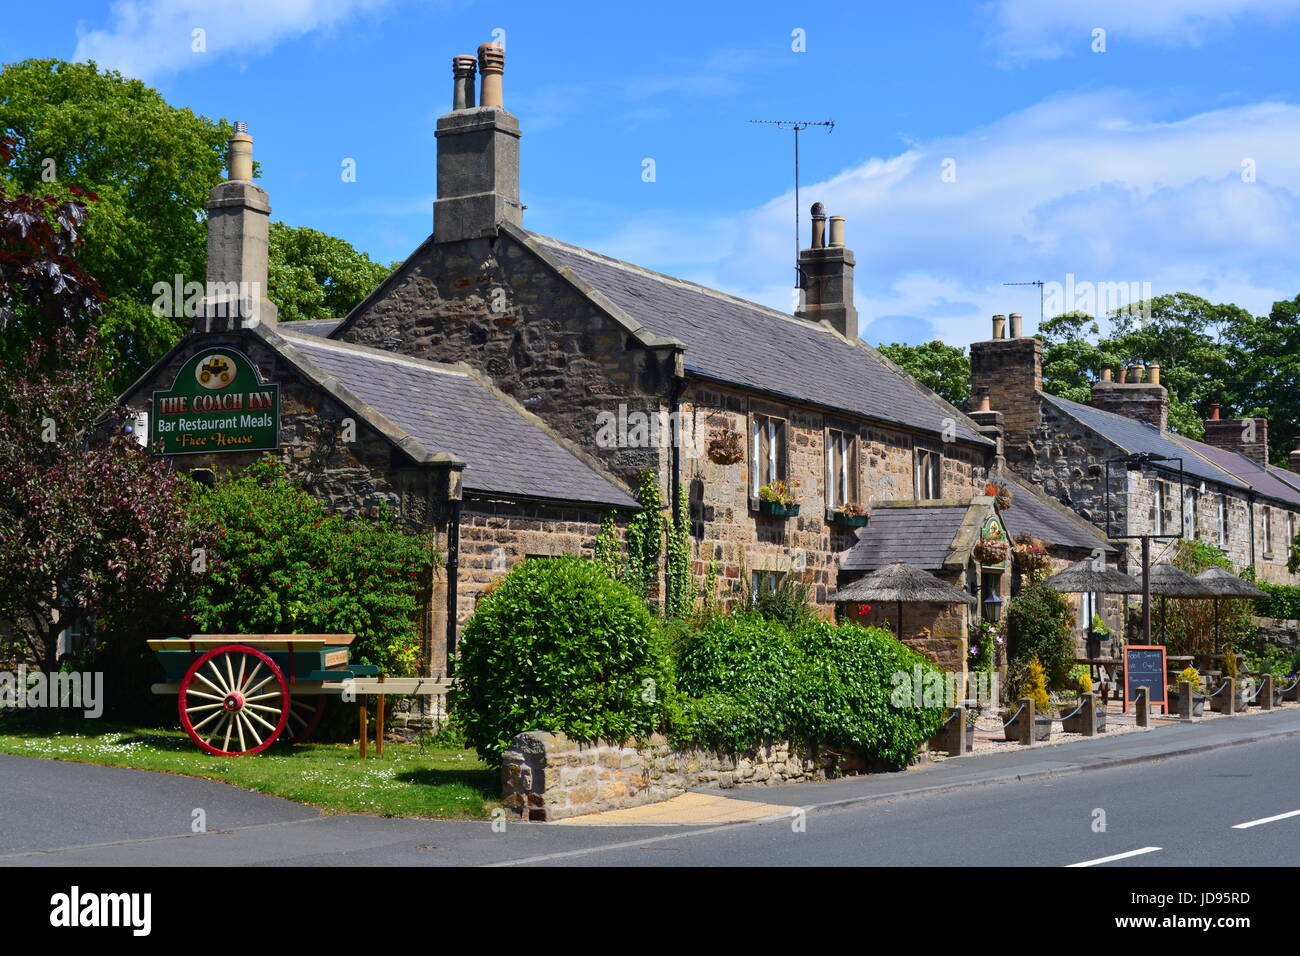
x=218, y=402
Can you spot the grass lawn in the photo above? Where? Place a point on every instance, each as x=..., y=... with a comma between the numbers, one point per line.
x=408, y=781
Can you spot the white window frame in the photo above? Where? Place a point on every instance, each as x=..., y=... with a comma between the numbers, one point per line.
x=1088, y=606
x=1191, y=500
x=927, y=478
x=1158, y=509
x=1268, y=531
x=1223, y=521
x=841, y=484
x=775, y=457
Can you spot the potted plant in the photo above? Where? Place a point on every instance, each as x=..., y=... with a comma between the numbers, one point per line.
x=1035, y=688
x=725, y=446
x=1190, y=675
x=778, y=499
x=1098, y=631
x=850, y=515
x=972, y=716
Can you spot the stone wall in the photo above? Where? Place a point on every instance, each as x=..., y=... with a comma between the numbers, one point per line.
x=496, y=535
x=728, y=530
x=547, y=776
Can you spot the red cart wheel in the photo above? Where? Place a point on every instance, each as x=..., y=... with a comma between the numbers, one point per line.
x=233, y=694
x=304, y=714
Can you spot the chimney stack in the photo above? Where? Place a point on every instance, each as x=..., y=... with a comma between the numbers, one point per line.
x=1010, y=372
x=478, y=154
x=988, y=422
x=1131, y=397
x=239, y=219
x=1248, y=436
x=1294, y=458
x=826, y=276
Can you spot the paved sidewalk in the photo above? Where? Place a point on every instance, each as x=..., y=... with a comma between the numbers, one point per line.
x=1163, y=740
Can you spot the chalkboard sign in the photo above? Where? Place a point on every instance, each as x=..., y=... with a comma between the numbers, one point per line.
x=1144, y=666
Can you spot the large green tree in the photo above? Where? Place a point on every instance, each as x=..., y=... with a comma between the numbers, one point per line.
x=316, y=276
x=942, y=368
x=151, y=165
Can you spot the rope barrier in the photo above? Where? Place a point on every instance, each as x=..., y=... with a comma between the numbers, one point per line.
x=1217, y=692
x=1287, y=690
x=1256, y=694
x=1071, y=714
x=1013, y=718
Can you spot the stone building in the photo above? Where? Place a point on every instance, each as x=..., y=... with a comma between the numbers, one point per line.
x=507, y=391
x=1226, y=493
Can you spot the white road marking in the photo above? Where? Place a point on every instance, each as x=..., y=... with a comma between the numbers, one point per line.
x=1255, y=823
x=1117, y=856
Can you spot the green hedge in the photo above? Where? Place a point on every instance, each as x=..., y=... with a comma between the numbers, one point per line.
x=1283, y=601
x=745, y=680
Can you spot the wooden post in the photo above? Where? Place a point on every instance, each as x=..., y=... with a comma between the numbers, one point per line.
x=1185, y=700
x=1089, y=715
x=1266, y=693
x=1026, y=722
x=1230, y=702
x=379, y=724
x=365, y=731
x=1142, y=707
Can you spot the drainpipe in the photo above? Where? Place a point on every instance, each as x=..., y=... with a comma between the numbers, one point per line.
x=453, y=573
x=1250, y=521
x=675, y=407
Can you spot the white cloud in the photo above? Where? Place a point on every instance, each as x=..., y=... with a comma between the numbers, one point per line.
x=1028, y=29
x=1087, y=185
x=145, y=38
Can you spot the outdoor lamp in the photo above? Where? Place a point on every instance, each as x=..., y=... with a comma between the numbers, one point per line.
x=992, y=607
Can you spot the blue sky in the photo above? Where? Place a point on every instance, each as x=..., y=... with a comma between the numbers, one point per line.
x=1169, y=159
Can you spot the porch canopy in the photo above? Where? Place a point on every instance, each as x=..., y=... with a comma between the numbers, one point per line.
x=901, y=583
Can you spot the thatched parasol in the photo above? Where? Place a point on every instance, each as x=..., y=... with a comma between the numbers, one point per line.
x=1225, y=586
x=1085, y=576
x=1169, y=581
x=901, y=584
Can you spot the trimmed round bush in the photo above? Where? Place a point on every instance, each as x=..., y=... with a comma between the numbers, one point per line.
x=560, y=646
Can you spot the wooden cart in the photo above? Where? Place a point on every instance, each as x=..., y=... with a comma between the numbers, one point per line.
x=239, y=693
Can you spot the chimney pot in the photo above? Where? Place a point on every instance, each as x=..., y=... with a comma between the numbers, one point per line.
x=1017, y=331
x=1123, y=375
x=491, y=64
x=1135, y=373
x=1106, y=374
x=462, y=71
x=837, y=232
x=240, y=162
x=1153, y=373
x=999, y=326
x=1214, y=411
x=818, y=226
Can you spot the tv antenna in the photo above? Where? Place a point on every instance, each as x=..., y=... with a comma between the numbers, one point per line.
x=1039, y=283
x=796, y=125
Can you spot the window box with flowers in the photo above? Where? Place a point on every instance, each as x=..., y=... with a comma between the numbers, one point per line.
x=778, y=499
x=849, y=515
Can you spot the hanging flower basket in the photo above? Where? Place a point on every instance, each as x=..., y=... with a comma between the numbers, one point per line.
x=990, y=552
x=1031, y=554
x=725, y=446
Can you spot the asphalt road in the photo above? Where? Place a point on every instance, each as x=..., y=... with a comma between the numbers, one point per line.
x=1188, y=807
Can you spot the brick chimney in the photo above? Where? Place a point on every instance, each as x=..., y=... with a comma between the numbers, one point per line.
x=478, y=154
x=1294, y=458
x=826, y=276
x=1145, y=401
x=1010, y=372
x=1249, y=436
x=239, y=218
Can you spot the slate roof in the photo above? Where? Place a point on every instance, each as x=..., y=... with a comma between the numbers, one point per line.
x=921, y=537
x=1032, y=512
x=318, y=327
x=742, y=343
x=447, y=409
x=1237, y=464
x=1281, y=474
x=1133, y=436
